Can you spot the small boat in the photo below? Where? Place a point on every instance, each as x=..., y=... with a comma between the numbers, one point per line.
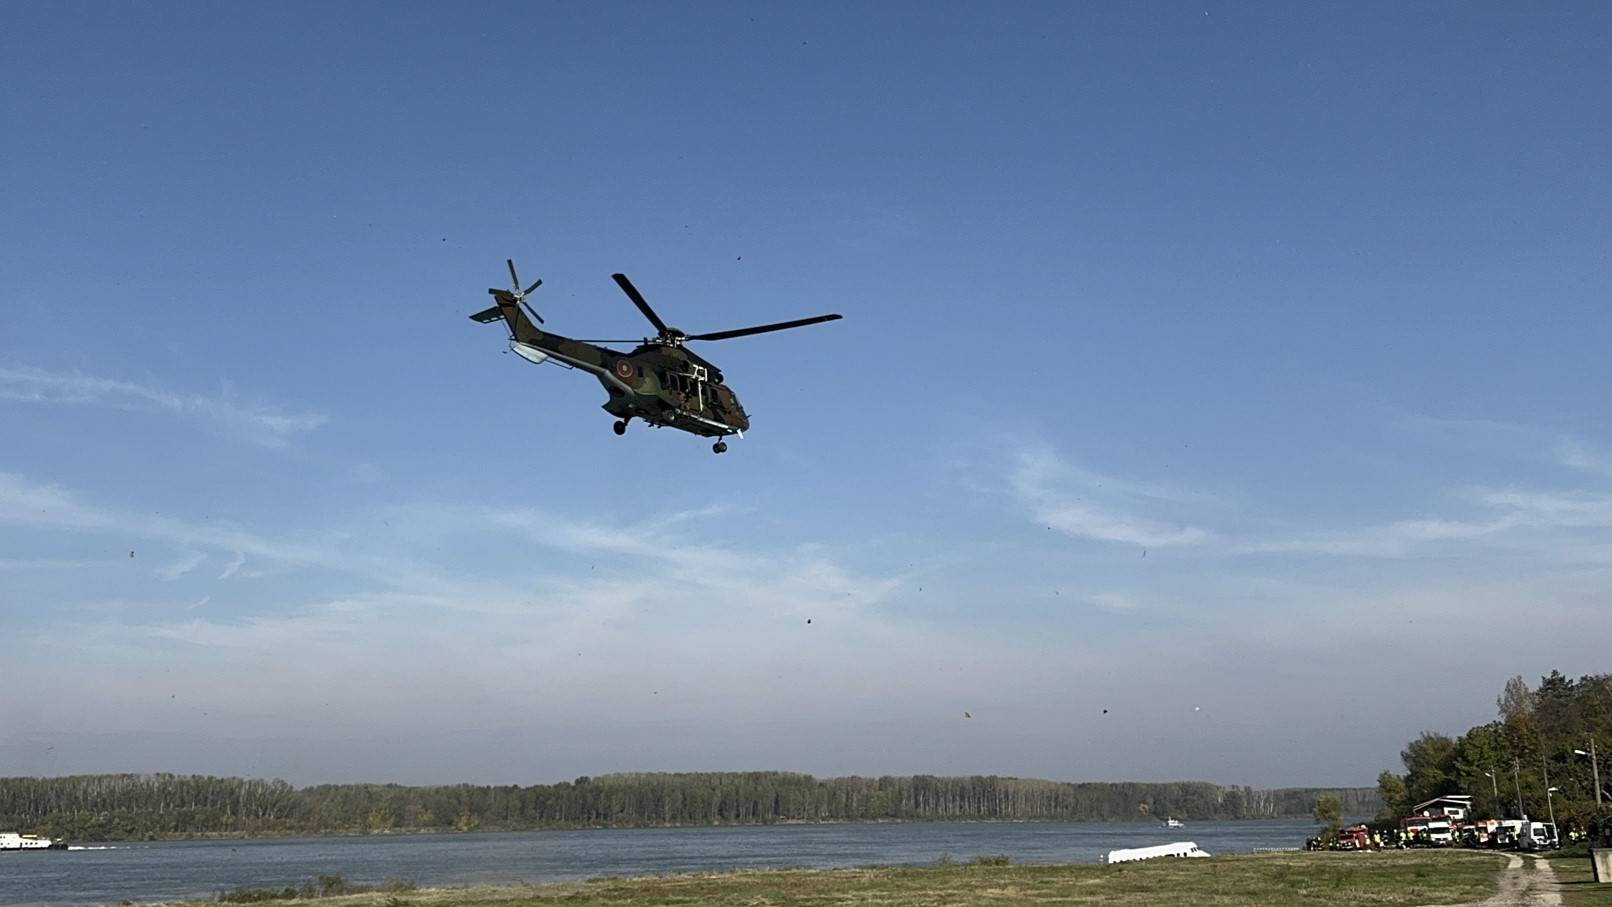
x=1178, y=849
x=1173, y=822
x=10, y=840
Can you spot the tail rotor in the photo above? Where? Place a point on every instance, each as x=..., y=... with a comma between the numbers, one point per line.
x=518, y=294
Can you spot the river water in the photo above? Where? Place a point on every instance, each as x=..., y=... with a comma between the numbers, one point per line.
x=201, y=869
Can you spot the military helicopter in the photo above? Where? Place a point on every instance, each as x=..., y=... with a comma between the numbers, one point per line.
x=660, y=381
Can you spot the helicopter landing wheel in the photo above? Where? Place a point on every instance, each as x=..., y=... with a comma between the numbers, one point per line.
x=620, y=427
x=719, y=447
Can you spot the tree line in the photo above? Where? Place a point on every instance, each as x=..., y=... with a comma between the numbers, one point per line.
x=1541, y=738
x=127, y=806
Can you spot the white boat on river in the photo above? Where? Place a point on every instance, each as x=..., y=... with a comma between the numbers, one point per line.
x=10, y=840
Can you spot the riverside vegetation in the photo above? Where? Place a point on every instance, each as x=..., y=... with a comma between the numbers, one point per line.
x=126, y=807
x=1541, y=739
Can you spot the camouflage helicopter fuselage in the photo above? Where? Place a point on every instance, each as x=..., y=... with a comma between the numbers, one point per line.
x=658, y=382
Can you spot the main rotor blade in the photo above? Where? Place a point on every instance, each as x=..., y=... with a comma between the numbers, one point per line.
x=762, y=329
x=638, y=300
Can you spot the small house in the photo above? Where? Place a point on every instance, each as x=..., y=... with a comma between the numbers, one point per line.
x=1455, y=807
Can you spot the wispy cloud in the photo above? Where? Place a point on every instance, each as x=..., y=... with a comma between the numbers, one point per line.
x=28, y=565
x=1578, y=455
x=1084, y=504
x=27, y=503
x=1515, y=518
x=186, y=562
x=1389, y=540
x=802, y=581
x=263, y=424
x=1115, y=602
x=805, y=579
x=234, y=566
x=1565, y=510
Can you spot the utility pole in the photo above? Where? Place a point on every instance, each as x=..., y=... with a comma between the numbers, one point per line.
x=1495, y=786
x=1516, y=771
x=1595, y=771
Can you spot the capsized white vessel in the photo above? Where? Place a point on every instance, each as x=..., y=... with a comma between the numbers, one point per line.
x=1178, y=849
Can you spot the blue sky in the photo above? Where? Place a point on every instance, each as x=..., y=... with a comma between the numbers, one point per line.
x=1238, y=370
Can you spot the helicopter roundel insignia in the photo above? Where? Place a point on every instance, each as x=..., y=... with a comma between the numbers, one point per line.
x=624, y=369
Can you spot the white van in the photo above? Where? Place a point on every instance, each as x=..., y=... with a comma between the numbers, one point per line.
x=1439, y=831
x=1542, y=834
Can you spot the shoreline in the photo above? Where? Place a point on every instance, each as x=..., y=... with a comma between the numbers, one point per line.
x=793, y=823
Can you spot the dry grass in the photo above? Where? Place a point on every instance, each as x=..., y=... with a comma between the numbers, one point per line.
x=1392, y=879
x=1579, y=888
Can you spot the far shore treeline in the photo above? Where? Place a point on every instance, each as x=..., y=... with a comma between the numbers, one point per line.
x=123, y=807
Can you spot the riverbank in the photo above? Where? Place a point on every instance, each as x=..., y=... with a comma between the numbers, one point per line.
x=308, y=834
x=1386, y=879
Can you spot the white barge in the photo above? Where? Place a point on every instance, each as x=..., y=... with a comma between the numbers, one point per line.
x=10, y=840
x=1178, y=849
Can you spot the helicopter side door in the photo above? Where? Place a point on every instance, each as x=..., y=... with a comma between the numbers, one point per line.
x=689, y=390
x=698, y=376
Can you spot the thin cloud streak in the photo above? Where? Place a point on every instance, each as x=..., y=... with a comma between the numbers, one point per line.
x=1521, y=519
x=27, y=503
x=1088, y=505
x=266, y=425
x=1390, y=540
x=1578, y=455
x=1056, y=493
x=30, y=565
x=186, y=562
x=791, y=582
x=234, y=565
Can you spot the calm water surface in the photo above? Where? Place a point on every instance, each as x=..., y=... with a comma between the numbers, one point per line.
x=201, y=869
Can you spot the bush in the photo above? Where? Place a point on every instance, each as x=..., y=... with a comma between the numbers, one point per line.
x=322, y=886
x=257, y=895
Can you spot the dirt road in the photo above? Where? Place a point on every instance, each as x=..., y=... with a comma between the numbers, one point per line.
x=1527, y=881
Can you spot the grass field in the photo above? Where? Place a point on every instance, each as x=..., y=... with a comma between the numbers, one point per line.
x=1388, y=879
x=1578, y=883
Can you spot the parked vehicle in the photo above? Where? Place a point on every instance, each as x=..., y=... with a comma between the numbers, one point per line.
x=1425, y=831
x=1539, y=836
x=1355, y=837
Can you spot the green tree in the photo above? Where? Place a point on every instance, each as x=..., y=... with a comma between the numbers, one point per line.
x=1329, y=812
x=1429, y=767
x=1480, y=765
x=1396, y=802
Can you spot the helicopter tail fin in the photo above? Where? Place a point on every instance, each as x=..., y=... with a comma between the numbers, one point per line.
x=509, y=311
